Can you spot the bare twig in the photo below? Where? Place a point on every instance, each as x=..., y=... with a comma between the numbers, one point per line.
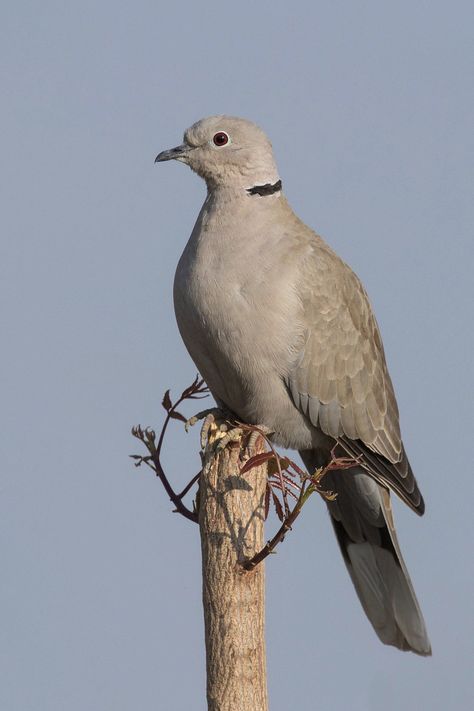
x=277, y=480
x=196, y=391
x=188, y=486
x=277, y=538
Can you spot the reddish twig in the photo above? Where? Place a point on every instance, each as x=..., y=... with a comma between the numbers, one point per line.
x=277, y=480
x=195, y=391
x=277, y=538
x=189, y=485
x=277, y=459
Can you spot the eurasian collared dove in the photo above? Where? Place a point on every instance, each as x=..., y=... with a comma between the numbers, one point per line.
x=283, y=333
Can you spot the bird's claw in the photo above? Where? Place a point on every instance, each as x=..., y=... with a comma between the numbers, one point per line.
x=227, y=436
x=199, y=416
x=237, y=431
x=218, y=430
x=256, y=432
x=214, y=429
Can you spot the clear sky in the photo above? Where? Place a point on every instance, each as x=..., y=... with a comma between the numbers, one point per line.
x=369, y=107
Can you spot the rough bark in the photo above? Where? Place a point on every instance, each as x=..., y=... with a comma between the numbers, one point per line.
x=231, y=519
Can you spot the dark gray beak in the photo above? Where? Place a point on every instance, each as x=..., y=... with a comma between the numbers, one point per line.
x=172, y=153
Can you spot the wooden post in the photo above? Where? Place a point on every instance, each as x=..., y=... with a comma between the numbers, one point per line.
x=231, y=521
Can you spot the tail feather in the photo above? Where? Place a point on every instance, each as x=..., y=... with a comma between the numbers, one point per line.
x=387, y=597
x=363, y=522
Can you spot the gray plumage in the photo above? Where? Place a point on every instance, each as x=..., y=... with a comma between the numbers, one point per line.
x=283, y=333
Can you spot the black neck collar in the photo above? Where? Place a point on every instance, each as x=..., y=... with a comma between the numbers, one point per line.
x=266, y=189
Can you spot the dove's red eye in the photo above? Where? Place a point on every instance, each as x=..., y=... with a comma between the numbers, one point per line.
x=220, y=139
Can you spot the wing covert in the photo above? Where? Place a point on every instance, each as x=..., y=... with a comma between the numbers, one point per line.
x=340, y=379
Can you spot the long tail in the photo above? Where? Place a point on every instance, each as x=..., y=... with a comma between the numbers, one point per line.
x=363, y=522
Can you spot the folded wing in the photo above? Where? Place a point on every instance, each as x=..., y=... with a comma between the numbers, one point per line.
x=340, y=379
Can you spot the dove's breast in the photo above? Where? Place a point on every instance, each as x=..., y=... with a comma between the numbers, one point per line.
x=241, y=328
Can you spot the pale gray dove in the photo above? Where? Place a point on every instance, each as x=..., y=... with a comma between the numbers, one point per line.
x=282, y=331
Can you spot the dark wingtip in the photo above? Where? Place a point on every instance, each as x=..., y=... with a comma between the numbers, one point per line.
x=420, y=509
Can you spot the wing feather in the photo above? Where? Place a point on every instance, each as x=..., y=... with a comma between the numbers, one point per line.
x=340, y=380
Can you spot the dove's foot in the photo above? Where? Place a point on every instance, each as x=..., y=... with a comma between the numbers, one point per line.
x=256, y=431
x=218, y=428
x=234, y=431
x=209, y=416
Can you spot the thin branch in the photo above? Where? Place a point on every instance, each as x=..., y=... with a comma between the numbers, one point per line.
x=188, y=486
x=309, y=484
x=180, y=507
x=277, y=458
x=195, y=391
x=277, y=538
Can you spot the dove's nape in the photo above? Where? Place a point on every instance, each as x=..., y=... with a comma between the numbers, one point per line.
x=300, y=354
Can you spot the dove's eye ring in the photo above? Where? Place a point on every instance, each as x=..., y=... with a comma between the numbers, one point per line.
x=220, y=139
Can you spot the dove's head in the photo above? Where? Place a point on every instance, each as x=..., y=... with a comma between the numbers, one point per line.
x=227, y=151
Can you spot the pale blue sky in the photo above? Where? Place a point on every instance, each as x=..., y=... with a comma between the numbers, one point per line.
x=369, y=107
